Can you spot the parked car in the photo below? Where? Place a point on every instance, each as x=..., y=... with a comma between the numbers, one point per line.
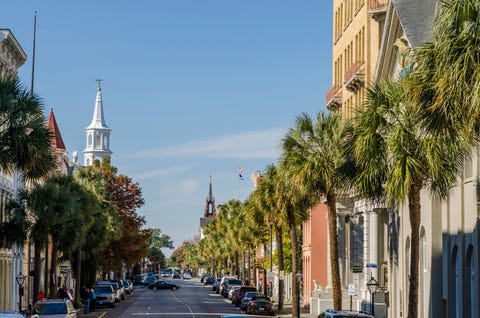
x=260, y=305
x=246, y=298
x=121, y=286
x=106, y=295
x=216, y=285
x=118, y=292
x=187, y=276
x=237, y=298
x=229, y=284
x=205, y=275
x=10, y=314
x=139, y=280
x=176, y=274
x=128, y=286
x=208, y=280
x=161, y=284
x=340, y=314
x=233, y=291
x=54, y=308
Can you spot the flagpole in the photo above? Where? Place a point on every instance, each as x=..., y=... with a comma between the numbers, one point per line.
x=33, y=53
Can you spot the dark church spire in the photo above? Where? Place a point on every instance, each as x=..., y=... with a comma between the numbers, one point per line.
x=210, y=211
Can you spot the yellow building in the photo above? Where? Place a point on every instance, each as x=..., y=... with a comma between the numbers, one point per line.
x=357, y=33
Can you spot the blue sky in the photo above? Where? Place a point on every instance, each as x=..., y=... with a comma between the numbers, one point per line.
x=191, y=88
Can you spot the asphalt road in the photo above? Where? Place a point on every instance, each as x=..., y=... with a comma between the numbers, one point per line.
x=191, y=300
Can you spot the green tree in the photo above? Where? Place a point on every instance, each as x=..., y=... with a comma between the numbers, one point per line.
x=397, y=158
x=267, y=201
x=313, y=156
x=24, y=138
x=158, y=242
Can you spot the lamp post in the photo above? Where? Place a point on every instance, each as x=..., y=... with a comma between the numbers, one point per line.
x=298, y=276
x=372, y=286
x=20, y=280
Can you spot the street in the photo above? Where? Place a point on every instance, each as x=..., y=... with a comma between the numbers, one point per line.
x=192, y=299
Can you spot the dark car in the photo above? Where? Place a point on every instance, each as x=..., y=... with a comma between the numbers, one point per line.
x=260, y=305
x=176, y=275
x=237, y=298
x=247, y=297
x=161, y=284
x=208, y=280
x=216, y=285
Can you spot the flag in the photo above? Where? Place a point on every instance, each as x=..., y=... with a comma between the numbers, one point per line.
x=240, y=173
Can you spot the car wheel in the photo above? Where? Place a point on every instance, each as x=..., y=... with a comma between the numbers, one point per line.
x=112, y=305
x=155, y=287
x=174, y=288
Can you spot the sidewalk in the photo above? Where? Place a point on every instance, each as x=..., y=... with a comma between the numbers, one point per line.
x=287, y=312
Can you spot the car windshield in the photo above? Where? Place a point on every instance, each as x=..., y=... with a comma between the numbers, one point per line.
x=103, y=289
x=51, y=308
x=235, y=282
x=260, y=298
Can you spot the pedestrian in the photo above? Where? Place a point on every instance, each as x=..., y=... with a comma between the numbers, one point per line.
x=41, y=295
x=70, y=294
x=85, y=294
x=93, y=299
x=62, y=293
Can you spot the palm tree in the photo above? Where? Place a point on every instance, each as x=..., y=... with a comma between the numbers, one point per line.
x=313, y=155
x=25, y=141
x=445, y=75
x=267, y=200
x=397, y=158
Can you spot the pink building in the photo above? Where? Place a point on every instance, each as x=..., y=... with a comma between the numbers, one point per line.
x=315, y=252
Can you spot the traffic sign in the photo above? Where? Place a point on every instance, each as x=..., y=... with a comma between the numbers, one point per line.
x=351, y=289
x=371, y=265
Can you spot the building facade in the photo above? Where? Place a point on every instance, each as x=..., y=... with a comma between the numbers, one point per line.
x=12, y=57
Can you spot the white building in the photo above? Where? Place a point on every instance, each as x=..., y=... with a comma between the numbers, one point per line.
x=98, y=135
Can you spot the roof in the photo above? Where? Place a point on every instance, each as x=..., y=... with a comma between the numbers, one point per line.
x=98, y=120
x=416, y=18
x=57, y=140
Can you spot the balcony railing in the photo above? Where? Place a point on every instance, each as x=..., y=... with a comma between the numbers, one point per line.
x=355, y=76
x=334, y=98
x=377, y=8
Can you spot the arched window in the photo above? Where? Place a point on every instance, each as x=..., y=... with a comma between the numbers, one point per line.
x=470, y=286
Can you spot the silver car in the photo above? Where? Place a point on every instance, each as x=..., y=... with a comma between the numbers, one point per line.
x=54, y=308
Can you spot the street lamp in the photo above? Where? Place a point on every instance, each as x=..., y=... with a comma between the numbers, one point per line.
x=298, y=276
x=20, y=280
x=372, y=286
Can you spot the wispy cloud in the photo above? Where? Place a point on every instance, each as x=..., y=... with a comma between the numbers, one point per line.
x=261, y=144
x=161, y=172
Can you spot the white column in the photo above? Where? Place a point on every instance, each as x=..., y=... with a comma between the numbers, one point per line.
x=374, y=243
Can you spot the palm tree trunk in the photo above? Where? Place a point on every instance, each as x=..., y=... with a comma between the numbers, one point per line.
x=414, y=213
x=237, y=268
x=78, y=271
x=53, y=268
x=37, y=266
x=334, y=264
x=294, y=239
x=281, y=266
x=45, y=283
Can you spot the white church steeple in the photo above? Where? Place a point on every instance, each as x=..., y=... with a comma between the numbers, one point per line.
x=98, y=134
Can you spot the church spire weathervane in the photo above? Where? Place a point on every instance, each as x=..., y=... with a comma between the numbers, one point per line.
x=99, y=81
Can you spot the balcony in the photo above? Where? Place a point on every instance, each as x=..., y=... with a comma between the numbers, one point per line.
x=334, y=98
x=377, y=8
x=355, y=76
